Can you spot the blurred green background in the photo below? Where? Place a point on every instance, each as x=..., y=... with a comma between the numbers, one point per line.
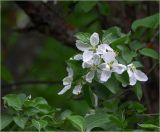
x=28, y=55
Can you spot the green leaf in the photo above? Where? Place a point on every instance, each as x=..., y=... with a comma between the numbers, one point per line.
x=114, y=37
x=101, y=91
x=20, y=121
x=113, y=85
x=137, y=64
x=111, y=105
x=39, y=100
x=138, y=90
x=149, y=126
x=77, y=121
x=88, y=94
x=120, y=122
x=136, y=45
x=39, y=124
x=136, y=106
x=77, y=68
x=85, y=6
x=96, y=120
x=65, y=114
x=84, y=37
x=149, y=52
x=147, y=22
x=5, y=120
x=112, y=34
x=104, y=8
x=44, y=108
x=13, y=101
x=123, y=78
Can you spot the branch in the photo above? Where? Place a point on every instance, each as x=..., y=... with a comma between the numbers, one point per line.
x=15, y=84
x=152, y=68
x=47, y=19
x=152, y=114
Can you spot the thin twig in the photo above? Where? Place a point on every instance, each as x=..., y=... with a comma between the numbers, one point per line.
x=31, y=83
x=151, y=69
x=151, y=114
x=120, y=94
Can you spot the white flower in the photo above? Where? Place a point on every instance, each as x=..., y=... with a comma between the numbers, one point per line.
x=93, y=65
x=103, y=48
x=77, y=57
x=88, y=49
x=77, y=89
x=135, y=75
x=108, y=68
x=67, y=81
x=109, y=56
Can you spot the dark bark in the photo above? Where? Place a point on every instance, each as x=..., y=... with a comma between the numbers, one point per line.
x=47, y=20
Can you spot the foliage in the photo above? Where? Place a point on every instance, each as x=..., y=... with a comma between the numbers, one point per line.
x=99, y=106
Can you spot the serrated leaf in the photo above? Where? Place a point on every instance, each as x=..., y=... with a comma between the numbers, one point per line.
x=136, y=106
x=20, y=121
x=138, y=90
x=120, y=122
x=96, y=120
x=123, y=78
x=39, y=100
x=77, y=121
x=101, y=91
x=13, y=101
x=5, y=120
x=137, y=64
x=77, y=68
x=111, y=34
x=65, y=114
x=136, y=45
x=115, y=37
x=39, y=124
x=113, y=85
x=149, y=126
x=147, y=22
x=149, y=52
x=88, y=94
x=84, y=37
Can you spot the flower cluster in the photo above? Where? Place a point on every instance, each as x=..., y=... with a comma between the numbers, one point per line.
x=100, y=60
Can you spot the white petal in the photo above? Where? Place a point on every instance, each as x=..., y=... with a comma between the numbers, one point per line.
x=130, y=73
x=86, y=65
x=87, y=55
x=94, y=39
x=108, y=57
x=118, y=68
x=90, y=76
x=103, y=48
x=96, y=59
x=104, y=66
x=141, y=76
x=96, y=100
x=70, y=71
x=105, y=75
x=78, y=57
x=77, y=89
x=64, y=89
x=82, y=46
x=67, y=80
x=132, y=80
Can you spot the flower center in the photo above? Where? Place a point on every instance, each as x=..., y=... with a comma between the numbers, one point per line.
x=94, y=67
